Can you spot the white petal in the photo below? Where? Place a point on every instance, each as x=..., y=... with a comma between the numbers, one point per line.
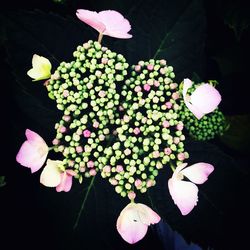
x=51, y=174
x=187, y=83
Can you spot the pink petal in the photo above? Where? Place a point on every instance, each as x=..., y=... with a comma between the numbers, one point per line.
x=29, y=156
x=116, y=25
x=206, y=98
x=65, y=184
x=34, y=137
x=198, y=172
x=184, y=194
x=91, y=18
x=196, y=111
x=147, y=215
x=71, y=172
x=129, y=225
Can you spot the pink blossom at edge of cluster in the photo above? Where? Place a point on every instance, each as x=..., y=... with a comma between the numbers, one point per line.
x=107, y=22
x=33, y=151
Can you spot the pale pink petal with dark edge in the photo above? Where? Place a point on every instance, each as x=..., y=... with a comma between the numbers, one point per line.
x=206, y=98
x=199, y=172
x=184, y=194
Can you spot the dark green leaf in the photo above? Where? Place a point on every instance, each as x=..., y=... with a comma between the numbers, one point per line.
x=237, y=136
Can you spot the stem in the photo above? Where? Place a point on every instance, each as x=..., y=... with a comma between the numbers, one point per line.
x=172, y=166
x=100, y=37
x=83, y=203
x=50, y=148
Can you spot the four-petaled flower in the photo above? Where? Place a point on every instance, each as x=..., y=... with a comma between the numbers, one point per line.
x=133, y=221
x=203, y=100
x=185, y=193
x=53, y=176
x=107, y=22
x=33, y=151
x=41, y=68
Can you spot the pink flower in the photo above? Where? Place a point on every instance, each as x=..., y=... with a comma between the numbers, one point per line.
x=185, y=193
x=133, y=221
x=107, y=22
x=203, y=100
x=33, y=151
x=53, y=176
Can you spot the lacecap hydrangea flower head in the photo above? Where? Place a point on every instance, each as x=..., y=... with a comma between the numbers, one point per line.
x=123, y=122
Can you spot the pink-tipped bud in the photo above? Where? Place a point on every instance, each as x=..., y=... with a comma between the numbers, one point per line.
x=175, y=95
x=176, y=140
x=55, y=142
x=113, y=181
x=119, y=168
x=156, y=83
x=90, y=164
x=137, y=131
x=126, y=118
x=131, y=195
x=138, y=183
x=167, y=151
x=149, y=183
x=96, y=124
x=146, y=87
x=137, y=68
x=65, y=93
x=92, y=172
x=137, y=89
x=62, y=129
x=107, y=169
x=79, y=149
x=102, y=93
x=156, y=154
x=86, y=133
x=66, y=118
x=150, y=67
x=105, y=60
x=165, y=124
x=181, y=156
x=179, y=126
x=163, y=71
x=168, y=105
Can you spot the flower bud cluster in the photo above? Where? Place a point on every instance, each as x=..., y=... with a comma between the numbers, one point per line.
x=149, y=135
x=208, y=127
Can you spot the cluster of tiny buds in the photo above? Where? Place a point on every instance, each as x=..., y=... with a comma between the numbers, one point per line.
x=127, y=131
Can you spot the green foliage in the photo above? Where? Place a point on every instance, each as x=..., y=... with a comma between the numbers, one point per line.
x=2, y=181
x=237, y=136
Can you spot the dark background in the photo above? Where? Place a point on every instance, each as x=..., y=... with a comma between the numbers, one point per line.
x=35, y=217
